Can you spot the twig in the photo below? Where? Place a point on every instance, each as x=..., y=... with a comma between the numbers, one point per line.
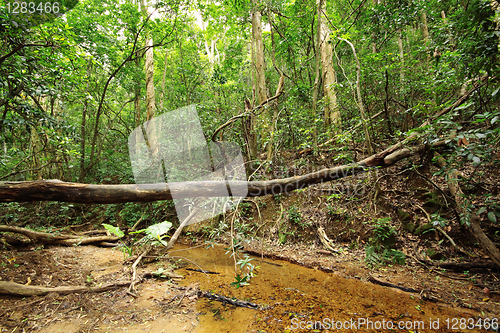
x=179, y=229
x=131, y=288
x=434, y=184
x=438, y=228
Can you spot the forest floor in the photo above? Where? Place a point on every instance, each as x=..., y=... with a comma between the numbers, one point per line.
x=335, y=287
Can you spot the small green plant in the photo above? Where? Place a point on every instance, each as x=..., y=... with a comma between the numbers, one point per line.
x=240, y=281
x=248, y=271
x=113, y=230
x=155, y=233
x=160, y=273
x=295, y=217
x=380, y=250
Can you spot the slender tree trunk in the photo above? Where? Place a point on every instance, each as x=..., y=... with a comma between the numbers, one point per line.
x=360, y=103
x=137, y=94
x=318, y=74
x=37, y=172
x=162, y=96
x=149, y=69
x=259, y=82
x=150, y=86
x=332, y=114
x=425, y=29
x=401, y=56
x=83, y=132
x=374, y=35
x=274, y=120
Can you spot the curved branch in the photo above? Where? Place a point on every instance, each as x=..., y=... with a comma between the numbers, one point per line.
x=231, y=120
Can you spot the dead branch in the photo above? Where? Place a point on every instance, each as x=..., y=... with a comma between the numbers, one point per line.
x=135, y=279
x=47, y=238
x=16, y=289
x=247, y=113
x=390, y=285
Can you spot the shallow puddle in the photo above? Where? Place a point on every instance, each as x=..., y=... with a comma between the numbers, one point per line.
x=300, y=299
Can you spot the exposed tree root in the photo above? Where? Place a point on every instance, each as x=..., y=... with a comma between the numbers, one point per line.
x=471, y=220
x=16, y=289
x=327, y=243
x=47, y=238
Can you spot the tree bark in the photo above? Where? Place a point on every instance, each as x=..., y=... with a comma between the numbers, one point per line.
x=332, y=113
x=162, y=96
x=318, y=75
x=83, y=130
x=149, y=69
x=260, y=74
x=425, y=29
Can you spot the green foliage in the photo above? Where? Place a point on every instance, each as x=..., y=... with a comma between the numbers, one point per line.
x=248, y=271
x=295, y=217
x=156, y=233
x=379, y=251
x=114, y=230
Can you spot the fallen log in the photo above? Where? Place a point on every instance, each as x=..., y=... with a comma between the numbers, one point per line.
x=56, y=190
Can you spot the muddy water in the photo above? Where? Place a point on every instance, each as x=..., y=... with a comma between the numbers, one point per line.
x=300, y=299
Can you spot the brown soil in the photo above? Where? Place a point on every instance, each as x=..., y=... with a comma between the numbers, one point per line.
x=112, y=311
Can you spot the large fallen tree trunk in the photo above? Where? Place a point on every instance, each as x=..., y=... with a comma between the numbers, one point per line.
x=55, y=190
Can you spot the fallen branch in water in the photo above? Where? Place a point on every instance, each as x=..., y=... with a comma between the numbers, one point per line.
x=387, y=284
x=227, y=300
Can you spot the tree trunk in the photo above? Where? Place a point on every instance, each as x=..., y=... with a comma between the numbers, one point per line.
x=83, y=135
x=162, y=96
x=332, y=113
x=402, y=59
x=318, y=74
x=425, y=29
x=259, y=82
x=259, y=65
x=150, y=85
